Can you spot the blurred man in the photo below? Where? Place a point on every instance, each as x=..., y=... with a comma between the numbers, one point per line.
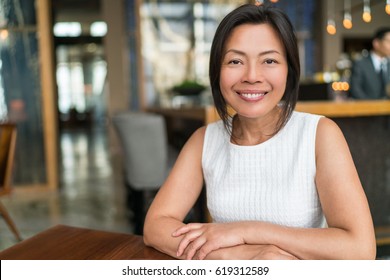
x=370, y=78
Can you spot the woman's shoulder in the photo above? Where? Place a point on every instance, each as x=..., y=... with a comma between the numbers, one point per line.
x=327, y=127
x=329, y=138
x=323, y=124
x=199, y=134
x=304, y=120
x=194, y=145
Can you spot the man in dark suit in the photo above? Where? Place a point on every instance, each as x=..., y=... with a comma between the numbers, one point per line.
x=370, y=78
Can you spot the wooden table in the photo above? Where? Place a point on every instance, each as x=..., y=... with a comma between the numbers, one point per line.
x=71, y=243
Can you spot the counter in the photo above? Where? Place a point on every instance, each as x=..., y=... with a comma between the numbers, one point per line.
x=352, y=108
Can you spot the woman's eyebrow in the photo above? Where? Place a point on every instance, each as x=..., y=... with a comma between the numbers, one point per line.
x=260, y=54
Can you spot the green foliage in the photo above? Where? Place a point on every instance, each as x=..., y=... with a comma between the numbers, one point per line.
x=188, y=87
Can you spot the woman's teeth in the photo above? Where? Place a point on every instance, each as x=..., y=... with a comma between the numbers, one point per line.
x=252, y=95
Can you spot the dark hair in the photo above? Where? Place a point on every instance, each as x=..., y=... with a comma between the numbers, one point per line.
x=381, y=32
x=252, y=14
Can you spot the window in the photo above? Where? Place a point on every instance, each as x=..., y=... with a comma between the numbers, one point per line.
x=176, y=41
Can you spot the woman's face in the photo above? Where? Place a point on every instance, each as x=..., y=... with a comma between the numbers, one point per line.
x=254, y=70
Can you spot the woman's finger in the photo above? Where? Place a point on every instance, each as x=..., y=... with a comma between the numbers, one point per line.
x=189, y=237
x=194, y=247
x=186, y=228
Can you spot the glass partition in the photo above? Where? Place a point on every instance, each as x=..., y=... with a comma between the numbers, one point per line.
x=22, y=99
x=20, y=91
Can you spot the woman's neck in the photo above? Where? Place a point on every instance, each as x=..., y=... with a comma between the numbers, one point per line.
x=250, y=131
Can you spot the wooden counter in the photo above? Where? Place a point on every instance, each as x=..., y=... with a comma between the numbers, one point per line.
x=332, y=109
x=352, y=108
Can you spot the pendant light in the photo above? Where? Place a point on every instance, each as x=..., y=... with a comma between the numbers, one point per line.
x=347, y=20
x=331, y=24
x=366, y=11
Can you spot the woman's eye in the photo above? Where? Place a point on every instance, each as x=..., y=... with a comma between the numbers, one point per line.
x=234, y=61
x=270, y=61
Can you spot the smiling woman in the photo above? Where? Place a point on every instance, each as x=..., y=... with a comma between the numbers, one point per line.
x=277, y=181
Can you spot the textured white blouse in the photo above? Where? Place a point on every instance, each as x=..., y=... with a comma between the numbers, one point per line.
x=273, y=181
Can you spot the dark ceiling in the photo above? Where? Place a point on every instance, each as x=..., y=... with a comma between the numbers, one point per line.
x=74, y=7
x=76, y=4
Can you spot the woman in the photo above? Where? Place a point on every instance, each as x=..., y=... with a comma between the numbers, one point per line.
x=280, y=184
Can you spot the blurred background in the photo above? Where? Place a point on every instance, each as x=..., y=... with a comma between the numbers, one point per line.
x=68, y=66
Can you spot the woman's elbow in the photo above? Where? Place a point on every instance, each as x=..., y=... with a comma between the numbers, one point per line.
x=147, y=236
x=370, y=252
x=147, y=241
x=148, y=231
x=366, y=250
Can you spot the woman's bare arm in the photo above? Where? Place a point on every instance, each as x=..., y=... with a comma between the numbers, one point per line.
x=176, y=197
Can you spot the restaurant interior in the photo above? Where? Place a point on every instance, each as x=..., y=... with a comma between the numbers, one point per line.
x=68, y=67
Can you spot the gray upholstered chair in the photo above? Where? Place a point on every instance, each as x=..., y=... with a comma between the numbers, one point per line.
x=147, y=158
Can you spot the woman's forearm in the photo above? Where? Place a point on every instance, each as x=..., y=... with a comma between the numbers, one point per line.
x=310, y=243
x=158, y=234
x=268, y=241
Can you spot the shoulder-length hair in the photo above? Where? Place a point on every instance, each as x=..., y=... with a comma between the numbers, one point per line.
x=252, y=14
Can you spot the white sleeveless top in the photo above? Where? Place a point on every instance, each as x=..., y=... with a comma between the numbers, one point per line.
x=273, y=181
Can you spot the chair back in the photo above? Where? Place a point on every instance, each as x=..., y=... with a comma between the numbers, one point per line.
x=7, y=152
x=145, y=148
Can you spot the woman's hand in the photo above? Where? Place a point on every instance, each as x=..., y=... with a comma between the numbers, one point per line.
x=250, y=252
x=271, y=252
x=200, y=239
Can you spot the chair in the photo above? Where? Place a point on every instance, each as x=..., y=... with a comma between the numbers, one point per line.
x=7, y=152
x=147, y=159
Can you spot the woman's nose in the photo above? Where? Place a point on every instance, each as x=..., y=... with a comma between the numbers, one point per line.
x=252, y=74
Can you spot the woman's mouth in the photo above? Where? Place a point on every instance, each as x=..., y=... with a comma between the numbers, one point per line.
x=252, y=96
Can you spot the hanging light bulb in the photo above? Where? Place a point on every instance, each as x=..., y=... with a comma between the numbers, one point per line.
x=387, y=8
x=259, y=2
x=347, y=20
x=366, y=11
x=331, y=24
x=331, y=27
x=273, y=1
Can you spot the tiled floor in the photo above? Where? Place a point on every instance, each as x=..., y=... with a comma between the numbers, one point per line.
x=91, y=192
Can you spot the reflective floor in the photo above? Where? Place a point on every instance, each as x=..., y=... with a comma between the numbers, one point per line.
x=91, y=191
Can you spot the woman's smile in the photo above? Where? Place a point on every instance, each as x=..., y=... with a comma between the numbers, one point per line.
x=253, y=76
x=252, y=96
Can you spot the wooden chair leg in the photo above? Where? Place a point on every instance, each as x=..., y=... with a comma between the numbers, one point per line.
x=10, y=222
